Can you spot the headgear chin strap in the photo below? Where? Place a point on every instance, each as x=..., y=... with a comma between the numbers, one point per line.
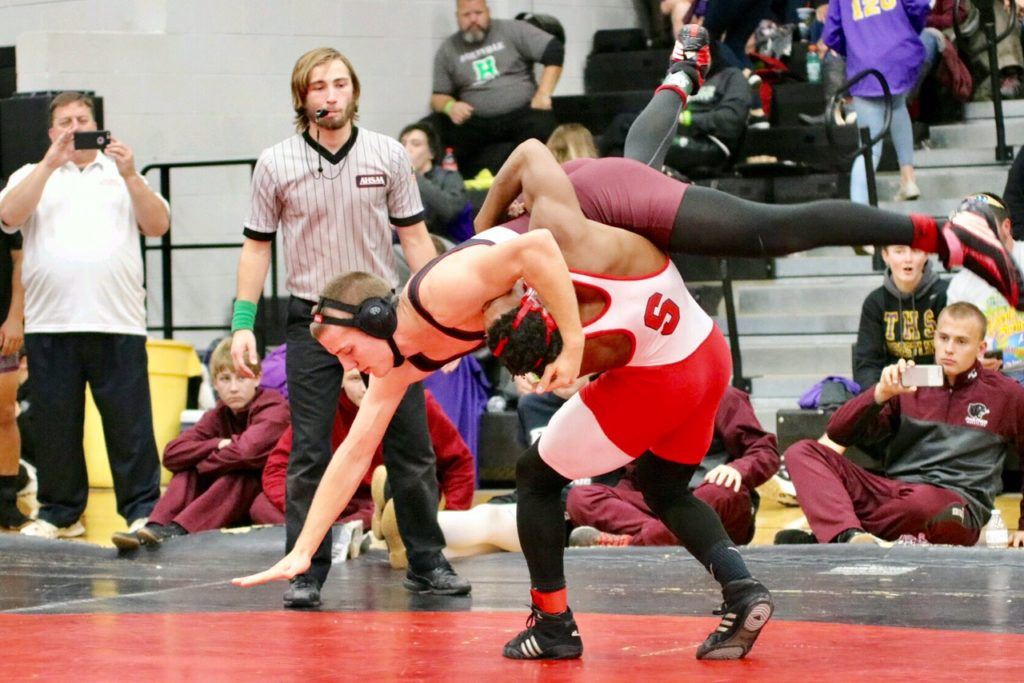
x=375, y=316
x=528, y=304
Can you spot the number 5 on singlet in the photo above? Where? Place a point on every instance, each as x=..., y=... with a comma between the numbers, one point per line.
x=662, y=314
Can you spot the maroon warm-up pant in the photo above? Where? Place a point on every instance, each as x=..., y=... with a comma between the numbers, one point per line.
x=837, y=495
x=621, y=509
x=201, y=502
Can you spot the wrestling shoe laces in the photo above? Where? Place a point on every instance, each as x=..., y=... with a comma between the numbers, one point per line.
x=547, y=636
x=967, y=240
x=747, y=608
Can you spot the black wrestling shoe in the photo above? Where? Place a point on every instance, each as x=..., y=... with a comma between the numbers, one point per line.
x=794, y=537
x=303, y=593
x=441, y=580
x=747, y=608
x=968, y=240
x=547, y=636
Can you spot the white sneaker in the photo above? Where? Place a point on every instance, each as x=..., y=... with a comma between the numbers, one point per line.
x=137, y=524
x=908, y=192
x=43, y=529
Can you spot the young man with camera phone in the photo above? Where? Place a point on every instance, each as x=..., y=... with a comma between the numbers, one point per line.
x=944, y=440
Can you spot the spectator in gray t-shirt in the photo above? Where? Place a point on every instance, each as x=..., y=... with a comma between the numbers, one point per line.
x=484, y=86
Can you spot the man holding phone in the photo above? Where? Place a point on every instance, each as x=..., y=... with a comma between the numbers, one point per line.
x=80, y=212
x=945, y=429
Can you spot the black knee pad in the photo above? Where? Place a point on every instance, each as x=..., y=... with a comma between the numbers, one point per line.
x=663, y=482
x=533, y=474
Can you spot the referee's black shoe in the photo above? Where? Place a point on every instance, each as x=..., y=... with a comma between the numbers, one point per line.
x=547, y=636
x=303, y=593
x=441, y=580
x=747, y=608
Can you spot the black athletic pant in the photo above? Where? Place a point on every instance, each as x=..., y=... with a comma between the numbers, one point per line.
x=665, y=486
x=472, y=138
x=116, y=369
x=314, y=383
x=713, y=223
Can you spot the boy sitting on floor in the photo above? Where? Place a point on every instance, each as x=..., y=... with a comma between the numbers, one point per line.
x=217, y=464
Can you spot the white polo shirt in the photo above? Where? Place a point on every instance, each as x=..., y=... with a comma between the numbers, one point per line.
x=82, y=266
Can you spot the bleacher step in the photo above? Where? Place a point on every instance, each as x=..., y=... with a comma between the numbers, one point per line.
x=796, y=356
x=799, y=295
x=946, y=183
x=931, y=206
x=957, y=158
x=797, y=266
x=977, y=133
x=984, y=110
x=788, y=323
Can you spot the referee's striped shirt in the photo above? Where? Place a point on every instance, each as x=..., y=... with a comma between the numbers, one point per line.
x=339, y=220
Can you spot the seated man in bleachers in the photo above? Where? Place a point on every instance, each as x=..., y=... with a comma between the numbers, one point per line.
x=898, y=319
x=712, y=125
x=944, y=454
x=216, y=464
x=442, y=190
x=1005, y=332
x=742, y=457
x=455, y=467
x=484, y=89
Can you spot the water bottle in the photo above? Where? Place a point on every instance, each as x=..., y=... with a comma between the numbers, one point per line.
x=813, y=65
x=448, y=163
x=996, y=533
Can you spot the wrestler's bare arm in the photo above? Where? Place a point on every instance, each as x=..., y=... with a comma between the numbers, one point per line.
x=532, y=171
x=347, y=467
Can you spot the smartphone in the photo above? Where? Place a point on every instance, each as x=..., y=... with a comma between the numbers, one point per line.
x=922, y=376
x=92, y=139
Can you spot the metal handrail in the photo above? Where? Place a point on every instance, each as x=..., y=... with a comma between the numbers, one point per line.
x=1004, y=153
x=830, y=122
x=165, y=247
x=867, y=143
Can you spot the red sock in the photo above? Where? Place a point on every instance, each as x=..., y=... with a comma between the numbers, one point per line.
x=554, y=602
x=926, y=233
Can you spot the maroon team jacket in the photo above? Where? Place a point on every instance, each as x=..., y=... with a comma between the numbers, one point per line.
x=955, y=436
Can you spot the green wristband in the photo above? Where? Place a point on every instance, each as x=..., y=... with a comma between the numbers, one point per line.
x=448, y=106
x=244, y=316
x=686, y=118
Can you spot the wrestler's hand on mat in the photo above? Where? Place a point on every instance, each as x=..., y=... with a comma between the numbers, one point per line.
x=723, y=475
x=562, y=371
x=890, y=384
x=291, y=565
x=1017, y=540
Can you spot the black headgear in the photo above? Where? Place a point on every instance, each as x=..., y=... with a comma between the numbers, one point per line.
x=375, y=316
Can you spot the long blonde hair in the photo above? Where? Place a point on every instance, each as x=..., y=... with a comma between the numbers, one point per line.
x=572, y=141
x=300, y=82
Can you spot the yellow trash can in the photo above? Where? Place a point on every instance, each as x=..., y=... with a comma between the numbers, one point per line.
x=171, y=363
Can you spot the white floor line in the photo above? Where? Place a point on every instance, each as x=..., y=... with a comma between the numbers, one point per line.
x=83, y=601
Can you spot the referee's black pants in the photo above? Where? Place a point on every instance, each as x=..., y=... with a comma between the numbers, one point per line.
x=116, y=368
x=314, y=383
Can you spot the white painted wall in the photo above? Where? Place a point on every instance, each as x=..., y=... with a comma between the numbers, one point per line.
x=209, y=79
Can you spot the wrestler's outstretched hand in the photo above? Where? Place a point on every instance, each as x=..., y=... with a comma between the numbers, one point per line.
x=562, y=371
x=291, y=565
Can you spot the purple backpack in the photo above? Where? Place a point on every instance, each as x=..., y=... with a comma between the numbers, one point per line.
x=829, y=393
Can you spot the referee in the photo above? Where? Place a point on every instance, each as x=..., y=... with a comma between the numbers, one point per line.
x=336, y=190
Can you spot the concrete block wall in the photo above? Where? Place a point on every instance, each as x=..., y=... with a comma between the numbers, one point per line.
x=209, y=79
